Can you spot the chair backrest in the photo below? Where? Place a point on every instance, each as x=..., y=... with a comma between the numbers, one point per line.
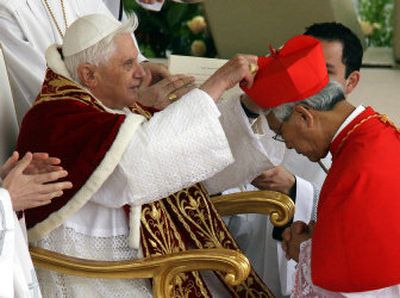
x=8, y=119
x=249, y=26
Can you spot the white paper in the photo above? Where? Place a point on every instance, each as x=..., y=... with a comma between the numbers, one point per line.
x=200, y=68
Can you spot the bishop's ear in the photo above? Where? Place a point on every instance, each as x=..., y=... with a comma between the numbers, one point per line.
x=305, y=114
x=87, y=77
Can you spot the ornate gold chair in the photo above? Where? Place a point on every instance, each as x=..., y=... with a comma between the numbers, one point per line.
x=163, y=269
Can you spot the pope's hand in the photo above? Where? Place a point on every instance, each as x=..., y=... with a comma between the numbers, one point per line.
x=163, y=93
x=276, y=179
x=33, y=190
x=237, y=70
x=157, y=71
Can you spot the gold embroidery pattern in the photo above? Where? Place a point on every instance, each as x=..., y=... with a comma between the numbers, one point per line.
x=206, y=228
x=57, y=87
x=137, y=109
x=383, y=118
x=160, y=237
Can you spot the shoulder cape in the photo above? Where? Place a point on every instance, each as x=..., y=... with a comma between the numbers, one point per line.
x=354, y=246
x=71, y=124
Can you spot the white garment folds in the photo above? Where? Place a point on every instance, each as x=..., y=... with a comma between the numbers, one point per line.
x=17, y=275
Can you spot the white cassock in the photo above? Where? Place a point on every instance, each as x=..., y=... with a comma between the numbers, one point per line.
x=254, y=232
x=26, y=31
x=200, y=149
x=17, y=275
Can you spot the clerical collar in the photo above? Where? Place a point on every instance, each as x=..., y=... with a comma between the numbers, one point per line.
x=349, y=118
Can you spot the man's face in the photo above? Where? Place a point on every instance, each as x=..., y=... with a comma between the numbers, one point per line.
x=301, y=133
x=119, y=78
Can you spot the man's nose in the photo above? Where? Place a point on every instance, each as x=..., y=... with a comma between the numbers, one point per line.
x=140, y=72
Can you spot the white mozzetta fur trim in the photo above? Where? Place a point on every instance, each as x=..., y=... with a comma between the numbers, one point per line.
x=102, y=172
x=55, y=62
x=134, y=226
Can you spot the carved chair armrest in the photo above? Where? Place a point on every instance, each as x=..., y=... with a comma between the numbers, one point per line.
x=162, y=269
x=278, y=206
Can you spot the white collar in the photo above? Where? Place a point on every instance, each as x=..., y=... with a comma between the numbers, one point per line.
x=349, y=118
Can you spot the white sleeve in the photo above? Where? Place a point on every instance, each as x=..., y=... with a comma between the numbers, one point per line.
x=7, y=245
x=249, y=154
x=179, y=146
x=303, y=212
x=25, y=63
x=304, y=200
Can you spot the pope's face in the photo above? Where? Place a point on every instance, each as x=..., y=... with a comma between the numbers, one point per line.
x=119, y=78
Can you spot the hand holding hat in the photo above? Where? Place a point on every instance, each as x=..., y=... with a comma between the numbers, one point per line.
x=293, y=73
x=240, y=69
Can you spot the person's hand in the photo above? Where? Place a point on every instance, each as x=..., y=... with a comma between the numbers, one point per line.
x=293, y=236
x=239, y=69
x=276, y=179
x=9, y=165
x=29, y=191
x=41, y=163
x=163, y=93
x=157, y=71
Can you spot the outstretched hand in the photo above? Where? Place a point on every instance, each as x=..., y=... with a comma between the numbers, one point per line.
x=40, y=163
x=276, y=179
x=35, y=189
x=158, y=95
x=237, y=70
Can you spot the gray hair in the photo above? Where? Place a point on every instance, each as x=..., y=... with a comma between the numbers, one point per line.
x=325, y=100
x=100, y=52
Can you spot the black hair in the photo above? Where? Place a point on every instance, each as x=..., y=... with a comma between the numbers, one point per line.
x=352, y=49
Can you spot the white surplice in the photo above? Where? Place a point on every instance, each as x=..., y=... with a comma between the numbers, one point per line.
x=304, y=287
x=254, y=232
x=188, y=142
x=17, y=275
x=26, y=31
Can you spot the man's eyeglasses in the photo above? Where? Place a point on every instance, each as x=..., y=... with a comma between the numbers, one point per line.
x=278, y=136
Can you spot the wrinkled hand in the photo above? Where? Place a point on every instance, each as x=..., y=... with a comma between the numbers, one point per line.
x=157, y=71
x=234, y=71
x=156, y=95
x=33, y=190
x=277, y=179
x=293, y=236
